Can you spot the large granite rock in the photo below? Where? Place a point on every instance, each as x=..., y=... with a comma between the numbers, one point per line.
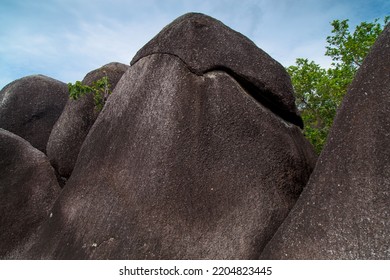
x=205, y=44
x=179, y=165
x=72, y=127
x=28, y=188
x=344, y=212
x=30, y=106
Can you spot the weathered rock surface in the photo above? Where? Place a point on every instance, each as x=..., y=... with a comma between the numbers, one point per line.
x=30, y=106
x=72, y=127
x=206, y=44
x=179, y=165
x=344, y=212
x=28, y=188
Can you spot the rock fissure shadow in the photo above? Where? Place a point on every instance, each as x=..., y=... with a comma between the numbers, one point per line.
x=261, y=95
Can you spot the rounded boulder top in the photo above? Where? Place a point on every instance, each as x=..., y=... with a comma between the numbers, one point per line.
x=205, y=44
x=113, y=71
x=30, y=106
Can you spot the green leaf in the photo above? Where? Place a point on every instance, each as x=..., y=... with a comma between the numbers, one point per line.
x=100, y=90
x=320, y=91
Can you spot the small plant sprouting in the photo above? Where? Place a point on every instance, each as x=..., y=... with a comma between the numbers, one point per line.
x=100, y=90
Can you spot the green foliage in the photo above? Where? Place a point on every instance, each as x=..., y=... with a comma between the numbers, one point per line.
x=349, y=49
x=320, y=91
x=100, y=90
x=314, y=99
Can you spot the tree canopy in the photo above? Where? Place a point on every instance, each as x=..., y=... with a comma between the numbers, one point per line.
x=319, y=91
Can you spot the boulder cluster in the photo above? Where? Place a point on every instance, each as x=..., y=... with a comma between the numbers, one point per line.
x=198, y=153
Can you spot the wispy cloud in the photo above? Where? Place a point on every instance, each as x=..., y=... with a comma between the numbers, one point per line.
x=67, y=39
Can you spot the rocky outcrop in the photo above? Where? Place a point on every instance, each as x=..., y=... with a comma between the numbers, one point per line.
x=205, y=44
x=30, y=106
x=183, y=164
x=76, y=120
x=28, y=188
x=344, y=212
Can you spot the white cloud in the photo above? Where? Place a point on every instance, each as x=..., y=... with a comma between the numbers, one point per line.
x=67, y=39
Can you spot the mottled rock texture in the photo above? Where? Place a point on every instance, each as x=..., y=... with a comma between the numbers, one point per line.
x=205, y=44
x=72, y=127
x=181, y=164
x=344, y=212
x=30, y=106
x=28, y=188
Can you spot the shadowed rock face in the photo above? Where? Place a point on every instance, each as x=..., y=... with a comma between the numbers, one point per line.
x=28, y=188
x=178, y=166
x=344, y=212
x=30, y=106
x=206, y=44
x=72, y=127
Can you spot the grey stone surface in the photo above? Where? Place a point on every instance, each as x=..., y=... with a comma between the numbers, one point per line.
x=178, y=166
x=72, y=127
x=344, y=212
x=28, y=188
x=206, y=44
x=30, y=106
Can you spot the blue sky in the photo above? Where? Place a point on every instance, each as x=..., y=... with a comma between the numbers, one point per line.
x=65, y=39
